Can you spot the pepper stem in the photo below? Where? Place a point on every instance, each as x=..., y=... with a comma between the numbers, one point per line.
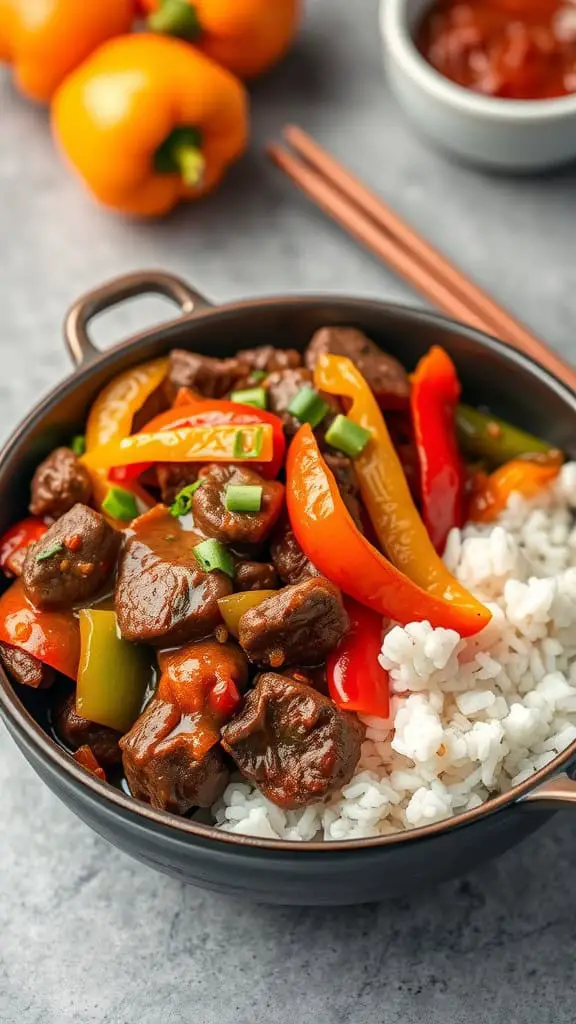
x=191, y=163
x=175, y=18
x=181, y=153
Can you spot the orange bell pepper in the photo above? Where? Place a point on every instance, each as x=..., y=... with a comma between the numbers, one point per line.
x=522, y=476
x=148, y=121
x=383, y=485
x=52, y=637
x=45, y=40
x=245, y=36
x=329, y=537
x=110, y=419
x=214, y=443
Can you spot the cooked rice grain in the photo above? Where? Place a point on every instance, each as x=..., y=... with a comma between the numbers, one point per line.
x=470, y=718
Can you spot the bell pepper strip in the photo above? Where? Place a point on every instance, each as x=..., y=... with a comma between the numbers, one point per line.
x=356, y=679
x=433, y=398
x=147, y=121
x=16, y=541
x=212, y=443
x=45, y=41
x=113, y=675
x=203, y=412
x=52, y=637
x=232, y=608
x=85, y=756
x=329, y=537
x=526, y=477
x=245, y=36
x=383, y=485
x=493, y=440
x=110, y=418
x=113, y=411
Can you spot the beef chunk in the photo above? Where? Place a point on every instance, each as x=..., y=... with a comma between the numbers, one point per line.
x=343, y=470
x=385, y=375
x=72, y=561
x=295, y=744
x=59, y=483
x=24, y=668
x=282, y=388
x=290, y=562
x=255, y=576
x=173, y=476
x=241, y=529
x=212, y=378
x=297, y=626
x=162, y=595
x=162, y=763
x=269, y=359
x=153, y=406
x=75, y=732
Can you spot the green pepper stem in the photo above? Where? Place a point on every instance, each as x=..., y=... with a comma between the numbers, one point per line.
x=175, y=18
x=191, y=163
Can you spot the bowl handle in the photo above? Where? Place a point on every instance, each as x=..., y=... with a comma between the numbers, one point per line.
x=554, y=794
x=80, y=346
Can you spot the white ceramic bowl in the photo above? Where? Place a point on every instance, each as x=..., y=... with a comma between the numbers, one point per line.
x=505, y=135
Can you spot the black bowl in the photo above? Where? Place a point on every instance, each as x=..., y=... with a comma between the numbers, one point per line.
x=273, y=871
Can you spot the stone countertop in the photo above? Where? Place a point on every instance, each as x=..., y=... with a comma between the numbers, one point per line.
x=86, y=935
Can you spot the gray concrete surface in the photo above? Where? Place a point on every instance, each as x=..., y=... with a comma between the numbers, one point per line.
x=87, y=936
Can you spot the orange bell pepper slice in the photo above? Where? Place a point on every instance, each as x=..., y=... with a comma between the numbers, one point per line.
x=215, y=443
x=52, y=637
x=329, y=537
x=526, y=477
x=110, y=419
x=385, y=492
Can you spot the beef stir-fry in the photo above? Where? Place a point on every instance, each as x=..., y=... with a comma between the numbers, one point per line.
x=206, y=572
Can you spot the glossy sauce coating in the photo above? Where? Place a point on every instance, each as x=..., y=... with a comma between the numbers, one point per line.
x=512, y=49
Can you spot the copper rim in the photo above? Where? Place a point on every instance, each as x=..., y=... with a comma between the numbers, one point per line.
x=31, y=733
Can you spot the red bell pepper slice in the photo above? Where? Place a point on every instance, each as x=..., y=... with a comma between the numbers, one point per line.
x=206, y=412
x=16, y=541
x=85, y=756
x=329, y=537
x=356, y=679
x=52, y=637
x=434, y=397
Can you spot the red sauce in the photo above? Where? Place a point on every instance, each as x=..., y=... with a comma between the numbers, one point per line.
x=515, y=49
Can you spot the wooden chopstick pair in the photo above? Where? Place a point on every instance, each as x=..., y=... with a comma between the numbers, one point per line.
x=379, y=228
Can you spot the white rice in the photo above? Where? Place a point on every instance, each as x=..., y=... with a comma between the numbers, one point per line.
x=469, y=718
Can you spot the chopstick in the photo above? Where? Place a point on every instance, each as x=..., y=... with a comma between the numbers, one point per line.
x=379, y=228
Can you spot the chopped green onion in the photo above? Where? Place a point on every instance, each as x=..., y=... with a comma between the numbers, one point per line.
x=55, y=549
x=182, y=503
x=258, y=375
x=308, y=407
x=240, y=452
x=243, y=498
x=347, y=436
x=78, y=444
x=251, y=396
x=120, y=504
x=212, y=555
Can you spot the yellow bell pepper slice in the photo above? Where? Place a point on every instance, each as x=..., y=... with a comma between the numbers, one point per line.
x=385, y=492
x=232, y=608
x=217, y=442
